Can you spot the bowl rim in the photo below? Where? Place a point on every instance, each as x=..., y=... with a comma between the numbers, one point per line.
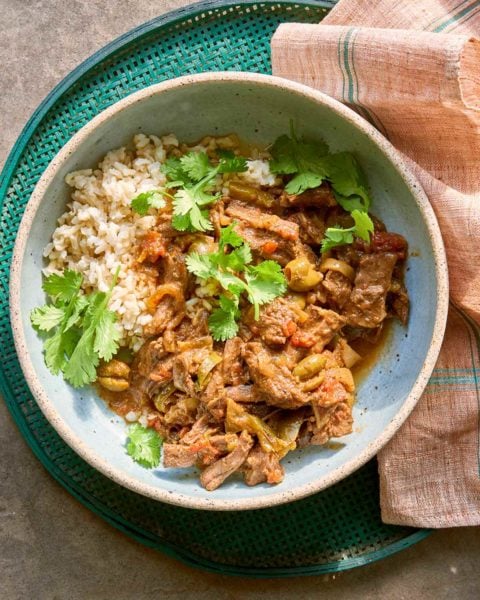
x=321, y=482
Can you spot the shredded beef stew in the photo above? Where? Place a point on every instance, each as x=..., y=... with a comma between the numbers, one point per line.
x=279, y=374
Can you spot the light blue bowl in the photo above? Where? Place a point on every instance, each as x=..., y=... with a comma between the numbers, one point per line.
x=259, y=109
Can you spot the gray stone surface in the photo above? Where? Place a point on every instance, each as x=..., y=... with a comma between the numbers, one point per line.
x=51, y=547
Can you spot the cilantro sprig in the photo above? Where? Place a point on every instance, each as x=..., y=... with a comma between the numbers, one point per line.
x=79, y=328
x=310, y=164
x=144, y=445
x=151, y=199
x=339, y=236
x=193, y=175
x=300, y=158
x=230, y=267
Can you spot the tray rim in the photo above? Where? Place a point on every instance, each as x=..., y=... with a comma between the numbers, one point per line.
x=178, y=16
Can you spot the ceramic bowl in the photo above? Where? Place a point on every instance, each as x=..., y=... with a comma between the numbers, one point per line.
x=258, y=108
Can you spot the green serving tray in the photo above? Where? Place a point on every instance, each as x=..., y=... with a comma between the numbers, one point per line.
x=337, y=529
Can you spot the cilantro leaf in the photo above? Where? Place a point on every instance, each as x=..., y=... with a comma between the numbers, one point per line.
x=230, y=282
x=301, y=157
x=199, y=219
x=347, y=178
x=200, y=265
x=228, y=236
x=152, y=199
x=339, y=236
x=182, y=223
x=186, y=203
x=237, y=258
x=54, y=351
x=144, y=445
x=309, y=155
x=81, y=368
x=363, y=224
x=222, y=322
x=265, y=282
x=311, y=164
x=302, y=182
x=63, y=287
x=283, y=160
x=230, y=163
x=173, y=170
x=81, y=303
x=290, y=155
x=107, y=335
x=336, y=236
x=350, y=203
x=196, y=165
x=46, y=317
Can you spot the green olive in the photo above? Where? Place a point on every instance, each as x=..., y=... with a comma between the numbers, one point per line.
x=310, y=366
x=313, y=383
x=299, y=300
x=114, y=384
x=114, y=368
x=241, y=191
x=248, y=193
x=301, y=275
x=203, y=244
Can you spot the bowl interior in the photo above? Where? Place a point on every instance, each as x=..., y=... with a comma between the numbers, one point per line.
x=258, y=111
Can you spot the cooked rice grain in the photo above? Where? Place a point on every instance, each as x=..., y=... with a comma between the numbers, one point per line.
x=99, y=231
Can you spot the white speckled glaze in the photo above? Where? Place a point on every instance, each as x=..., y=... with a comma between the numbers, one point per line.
x=258, y=108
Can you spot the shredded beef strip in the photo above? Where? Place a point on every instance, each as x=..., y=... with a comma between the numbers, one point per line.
x=311, y=225
x=261, y=241
x=398, y=302
x=178, y=456
x=261, y=467
x=244, y=394
x=204, y=452
x=366, y=306
x=254, y=217
x=319, y=329
x=277, y=322
x=273, y=377
x=213, y=397
x=151, y=368
x=181, y=374
x=321, y=196
x=170, y=309
x=338, y=422
x=214, y=475
x=232, y=365
x=338, y=287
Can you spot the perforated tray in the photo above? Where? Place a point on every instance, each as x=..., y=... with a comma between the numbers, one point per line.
x=337, y=529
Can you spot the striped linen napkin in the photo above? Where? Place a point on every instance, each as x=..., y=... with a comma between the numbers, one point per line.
x=413, y=70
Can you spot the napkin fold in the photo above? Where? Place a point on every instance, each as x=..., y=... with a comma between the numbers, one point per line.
x=413, y=70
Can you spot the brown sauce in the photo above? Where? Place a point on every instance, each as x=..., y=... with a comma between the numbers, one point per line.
x=369, y=352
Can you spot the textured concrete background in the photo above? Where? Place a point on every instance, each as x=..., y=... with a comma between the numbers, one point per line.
x=51, y=547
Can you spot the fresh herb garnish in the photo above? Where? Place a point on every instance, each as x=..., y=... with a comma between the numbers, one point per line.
x=152, y=199
x=81, y=329
x=261, y=283
x=311, y=164
x=144, y=445
x=301, y=158
x=339, y=236
x=193, y=175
